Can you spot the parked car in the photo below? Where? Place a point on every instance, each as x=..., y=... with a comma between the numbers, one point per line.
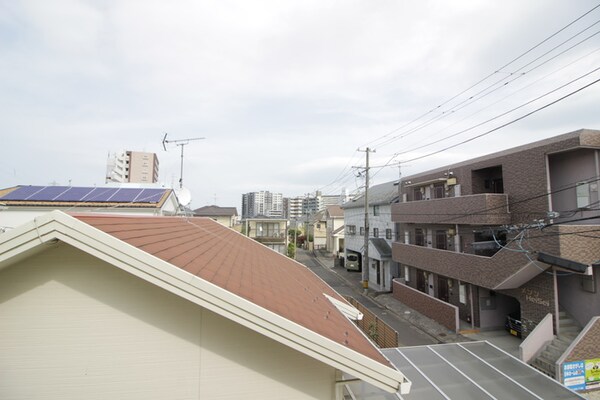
x=513, y=325
x=352, y=262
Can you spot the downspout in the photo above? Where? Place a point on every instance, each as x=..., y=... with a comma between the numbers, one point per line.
x=556, y=307
x=472, y=309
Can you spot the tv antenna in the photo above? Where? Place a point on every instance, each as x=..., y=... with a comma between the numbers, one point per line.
x=181, y=143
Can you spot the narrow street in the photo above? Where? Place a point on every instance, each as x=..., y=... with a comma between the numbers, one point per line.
x=348, y=284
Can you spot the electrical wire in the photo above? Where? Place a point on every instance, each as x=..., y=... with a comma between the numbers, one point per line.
x=485, y=78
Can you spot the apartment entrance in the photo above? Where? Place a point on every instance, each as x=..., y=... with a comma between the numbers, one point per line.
x=443, y=290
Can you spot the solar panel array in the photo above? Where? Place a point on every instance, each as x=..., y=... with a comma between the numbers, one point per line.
x=86, y=194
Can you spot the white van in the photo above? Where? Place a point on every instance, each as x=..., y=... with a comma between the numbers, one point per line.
x=353, y=262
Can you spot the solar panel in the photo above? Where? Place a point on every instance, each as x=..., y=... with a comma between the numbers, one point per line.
x=85, y=194
x=22, y=192
x=101, y=194
x=75, y=194
x=126, y=195
x=151, y=195
x=48, y=193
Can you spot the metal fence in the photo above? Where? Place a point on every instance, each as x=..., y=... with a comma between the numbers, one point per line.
x=379, y=332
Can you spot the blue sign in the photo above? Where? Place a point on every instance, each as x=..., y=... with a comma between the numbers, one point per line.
x=574, y=375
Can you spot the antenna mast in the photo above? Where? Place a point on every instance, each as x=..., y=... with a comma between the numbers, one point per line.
x=181, y=143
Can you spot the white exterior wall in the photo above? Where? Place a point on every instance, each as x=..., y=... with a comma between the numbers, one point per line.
x=383, y=221
x=75, y=327
x=354, y=216
x=334, y=224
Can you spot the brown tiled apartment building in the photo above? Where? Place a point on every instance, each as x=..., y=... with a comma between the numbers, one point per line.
x=472, y=234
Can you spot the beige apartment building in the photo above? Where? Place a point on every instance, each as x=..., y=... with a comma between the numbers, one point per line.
x=132, y=166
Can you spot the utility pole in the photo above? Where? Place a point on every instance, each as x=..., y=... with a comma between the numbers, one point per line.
x=365, y=267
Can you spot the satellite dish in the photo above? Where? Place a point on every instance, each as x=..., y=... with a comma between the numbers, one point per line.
x=184, y=196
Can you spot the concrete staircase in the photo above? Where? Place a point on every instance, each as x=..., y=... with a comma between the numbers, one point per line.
x=546, y=360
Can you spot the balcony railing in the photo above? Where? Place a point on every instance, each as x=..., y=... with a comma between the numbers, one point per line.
x=476, y=209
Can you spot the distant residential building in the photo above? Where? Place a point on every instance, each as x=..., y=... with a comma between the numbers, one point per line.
x=226, y=216
x=317, y=230
x=300, y=206
x=334, y=217
x=293, y=207
x=270, y=231
x=133, y=167
x=262, y=203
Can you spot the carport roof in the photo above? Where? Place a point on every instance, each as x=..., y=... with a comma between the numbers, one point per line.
x=470, y=370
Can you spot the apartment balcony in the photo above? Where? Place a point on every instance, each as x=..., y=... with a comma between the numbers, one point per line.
x=509, y=267
x=476, y=209
x=489, y=272
x=271, y=238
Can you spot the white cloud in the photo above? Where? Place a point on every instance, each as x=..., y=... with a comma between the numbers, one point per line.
x=284, y=92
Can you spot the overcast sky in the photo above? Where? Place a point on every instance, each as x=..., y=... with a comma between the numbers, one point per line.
x=285, y=92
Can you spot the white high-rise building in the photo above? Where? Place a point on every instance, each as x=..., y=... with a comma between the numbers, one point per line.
x=262, y=203
x=132, y=166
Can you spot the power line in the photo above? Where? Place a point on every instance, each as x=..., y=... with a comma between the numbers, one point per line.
x=502, y=114
x=505, y=124
x=486, y=77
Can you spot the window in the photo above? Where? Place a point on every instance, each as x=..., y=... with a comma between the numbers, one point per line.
x=583, y=195
x=588, y=283
x=362, y=231
x=267, y=229
x=376, y=232
x=375, y=210
x=406, y=273
x=318, y=226
x=462, y=293
x=419, y=237
x=388, y=234
x=351, y=229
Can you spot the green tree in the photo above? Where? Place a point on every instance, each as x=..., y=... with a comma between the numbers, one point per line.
x=291, y=250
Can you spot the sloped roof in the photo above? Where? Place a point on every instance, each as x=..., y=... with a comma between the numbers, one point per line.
x=385, y=193
x=335, y=211
x=82, y=196
x=224, y=271
x=215, y=211
x=340, y=229
x=382, y=247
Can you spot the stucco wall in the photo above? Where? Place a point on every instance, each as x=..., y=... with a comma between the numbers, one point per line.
x=74, y=327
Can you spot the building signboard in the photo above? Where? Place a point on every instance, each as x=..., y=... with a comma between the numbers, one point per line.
x=592, y=374
x=574, y=375
x=582, y=375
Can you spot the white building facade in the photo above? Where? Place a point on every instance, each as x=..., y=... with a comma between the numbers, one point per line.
x=263, y=203
x=382, y=269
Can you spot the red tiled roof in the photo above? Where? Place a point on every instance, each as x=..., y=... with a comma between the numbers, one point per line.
x=242, y=266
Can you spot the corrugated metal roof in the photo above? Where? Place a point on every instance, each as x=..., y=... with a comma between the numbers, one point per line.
x=385, y=193
x=242, y=266
x=382, y=247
